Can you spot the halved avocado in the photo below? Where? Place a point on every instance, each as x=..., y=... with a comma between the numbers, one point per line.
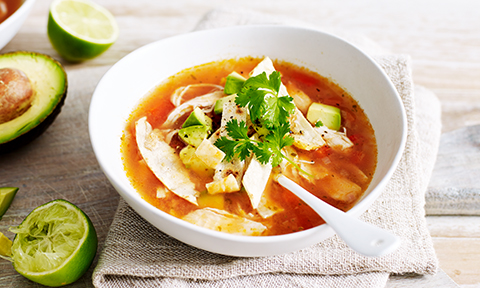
x=49, y=84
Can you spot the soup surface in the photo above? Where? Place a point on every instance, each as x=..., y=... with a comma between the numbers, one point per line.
x=8, y=7
x=240, y=195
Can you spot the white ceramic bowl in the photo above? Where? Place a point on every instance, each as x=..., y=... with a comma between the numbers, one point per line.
x=135, y=75
x=11, y=25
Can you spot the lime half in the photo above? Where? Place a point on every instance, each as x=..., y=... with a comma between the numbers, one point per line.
x=80, y=29
x=55, y=244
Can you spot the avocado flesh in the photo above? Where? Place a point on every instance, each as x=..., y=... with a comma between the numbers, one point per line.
x=49, y=83
x=329, y=116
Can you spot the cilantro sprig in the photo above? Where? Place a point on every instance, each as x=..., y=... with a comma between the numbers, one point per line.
x=261, y=96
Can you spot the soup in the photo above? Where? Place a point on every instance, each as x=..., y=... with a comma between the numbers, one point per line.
x=207, y=144
x=8, y=7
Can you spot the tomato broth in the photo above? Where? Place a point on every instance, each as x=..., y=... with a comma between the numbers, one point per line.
x=353, y=165
x=8, y=7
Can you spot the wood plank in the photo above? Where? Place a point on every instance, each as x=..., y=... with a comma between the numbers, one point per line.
x=459, y=258
x=454, y=227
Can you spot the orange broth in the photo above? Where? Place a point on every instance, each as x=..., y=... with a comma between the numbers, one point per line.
x=8, y=7
x=296, y=215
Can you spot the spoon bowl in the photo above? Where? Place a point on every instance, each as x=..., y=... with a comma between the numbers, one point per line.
x=364, y=238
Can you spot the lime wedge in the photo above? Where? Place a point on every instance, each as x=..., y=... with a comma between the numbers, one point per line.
x=80, y=29
x=55, y=244
x=6, y=197
x=5, y=246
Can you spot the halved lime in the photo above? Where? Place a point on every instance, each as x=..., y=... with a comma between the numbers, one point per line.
x=80, y=29
x=6, y=197
x=55, y=244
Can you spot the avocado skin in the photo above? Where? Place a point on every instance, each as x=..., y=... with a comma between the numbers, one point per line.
x=36, y=131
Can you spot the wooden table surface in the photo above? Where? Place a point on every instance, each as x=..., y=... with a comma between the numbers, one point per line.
x=442, y=37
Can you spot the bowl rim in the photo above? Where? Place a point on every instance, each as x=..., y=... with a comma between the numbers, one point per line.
x=354, y=211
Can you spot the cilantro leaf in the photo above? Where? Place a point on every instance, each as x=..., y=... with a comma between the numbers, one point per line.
x=239, y=142
x=253, y=100
x=276, y=141
x=260, y=94
x=278, y=109
x=237, y=130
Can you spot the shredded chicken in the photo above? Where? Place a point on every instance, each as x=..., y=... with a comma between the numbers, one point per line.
x=205, y=102
x=220, y=220
x=177, y=96
x=164, y=161
x=334, y=139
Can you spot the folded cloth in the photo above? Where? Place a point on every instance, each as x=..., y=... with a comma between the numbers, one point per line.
x=137, y=254
x=454, y=188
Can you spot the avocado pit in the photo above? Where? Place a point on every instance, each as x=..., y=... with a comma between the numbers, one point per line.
x=16, y=94
x=33, y=88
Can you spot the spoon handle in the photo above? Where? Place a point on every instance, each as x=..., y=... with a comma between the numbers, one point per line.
x=362, y=237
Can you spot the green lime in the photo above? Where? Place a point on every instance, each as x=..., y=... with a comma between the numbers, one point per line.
x=80, y=29
x=6, y=197
x=55, y=244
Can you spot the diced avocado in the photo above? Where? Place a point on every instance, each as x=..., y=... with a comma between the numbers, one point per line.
x=197, y=117
x=49, y=84
x=191, y=161
x=218, y=108
x=328, y=115
x=194, y=135
x=234, y=83
x=211, y=200
x=6, y=197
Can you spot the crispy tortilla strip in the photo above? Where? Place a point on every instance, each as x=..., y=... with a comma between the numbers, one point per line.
x=235, y=167
x=220, y=220
x=267, y=208
x=225, y=185
x=255, y=179
x=164, y=162
x=210, y=154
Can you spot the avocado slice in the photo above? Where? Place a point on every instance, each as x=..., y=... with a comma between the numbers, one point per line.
x=197, y=117
x=234, y=83
x=321, y=114
x=49, y=83
x=6, y=197
x=191, y=161
x=194, y=135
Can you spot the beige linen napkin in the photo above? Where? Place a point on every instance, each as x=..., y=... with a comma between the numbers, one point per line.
x=138, y=254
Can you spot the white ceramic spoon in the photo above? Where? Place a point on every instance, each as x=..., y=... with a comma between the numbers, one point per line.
x=362, y=237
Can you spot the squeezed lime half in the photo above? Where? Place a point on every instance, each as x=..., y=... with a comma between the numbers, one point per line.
x=55, y=244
